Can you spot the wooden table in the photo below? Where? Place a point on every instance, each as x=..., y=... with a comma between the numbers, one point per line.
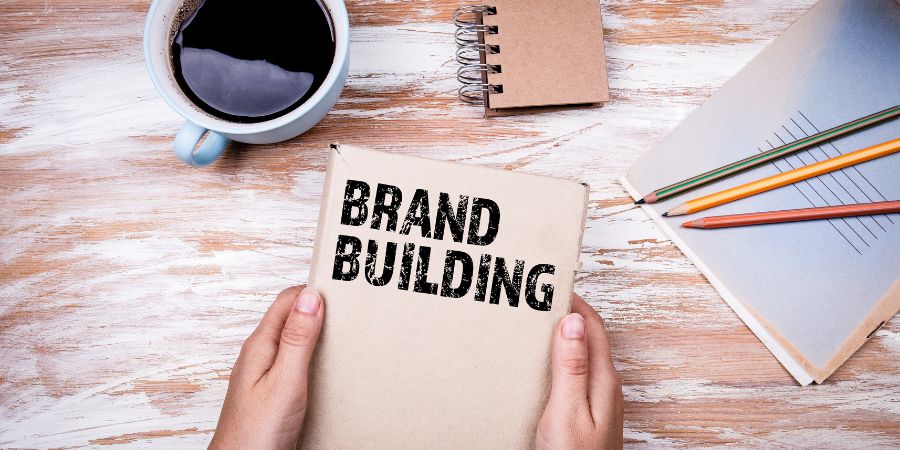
x=129, y=280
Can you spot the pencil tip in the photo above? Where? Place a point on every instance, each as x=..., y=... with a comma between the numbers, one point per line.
x=677, y=211
x=665, y=214
x=688, y=224
x=640, y=202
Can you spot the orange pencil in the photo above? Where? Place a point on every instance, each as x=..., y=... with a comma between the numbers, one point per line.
x=782, y=179
x=795, y=215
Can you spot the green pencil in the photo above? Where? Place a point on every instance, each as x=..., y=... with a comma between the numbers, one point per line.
x=776, y=153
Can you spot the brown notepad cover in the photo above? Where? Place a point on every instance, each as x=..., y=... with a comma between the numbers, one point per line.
x=551, y=53
x=408, y=358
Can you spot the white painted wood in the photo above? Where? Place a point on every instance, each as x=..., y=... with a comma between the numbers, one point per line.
x=129, y=280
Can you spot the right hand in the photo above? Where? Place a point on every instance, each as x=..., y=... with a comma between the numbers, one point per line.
x=585, y=409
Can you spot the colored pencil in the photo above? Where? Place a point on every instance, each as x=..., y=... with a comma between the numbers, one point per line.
x=795, y=215
x=770, y=155
x=782, y=179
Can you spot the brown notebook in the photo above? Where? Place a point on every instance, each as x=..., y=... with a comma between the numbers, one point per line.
x=531, y=53
x=443, y=283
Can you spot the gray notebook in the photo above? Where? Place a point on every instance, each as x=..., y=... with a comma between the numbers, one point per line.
x=811, y=291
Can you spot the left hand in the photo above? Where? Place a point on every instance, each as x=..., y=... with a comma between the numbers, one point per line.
x=266, y=400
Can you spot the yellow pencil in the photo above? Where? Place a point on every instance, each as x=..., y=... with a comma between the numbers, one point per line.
x=782, y=179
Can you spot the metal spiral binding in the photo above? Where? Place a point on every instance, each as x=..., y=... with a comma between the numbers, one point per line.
x=473, y=72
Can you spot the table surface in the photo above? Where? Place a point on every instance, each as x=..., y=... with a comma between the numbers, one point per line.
x=129, y=280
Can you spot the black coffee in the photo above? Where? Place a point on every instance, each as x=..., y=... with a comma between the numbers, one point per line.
x=250, y=61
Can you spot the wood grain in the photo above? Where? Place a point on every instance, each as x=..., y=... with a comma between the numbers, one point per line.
x=128, y=280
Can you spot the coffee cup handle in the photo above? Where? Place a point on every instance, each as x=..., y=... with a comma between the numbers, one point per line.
x=186, y=145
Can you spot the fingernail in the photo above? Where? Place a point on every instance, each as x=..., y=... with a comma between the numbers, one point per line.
x=308, y=302
x=573, y=326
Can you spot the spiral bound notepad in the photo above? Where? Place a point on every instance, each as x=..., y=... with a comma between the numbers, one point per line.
x=531, y=53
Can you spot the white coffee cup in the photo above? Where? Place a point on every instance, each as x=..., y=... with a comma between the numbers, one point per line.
x=158, y=34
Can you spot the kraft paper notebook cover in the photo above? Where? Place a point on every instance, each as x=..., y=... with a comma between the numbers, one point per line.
x=811, y=291
x=408, y=358
x=532, y=53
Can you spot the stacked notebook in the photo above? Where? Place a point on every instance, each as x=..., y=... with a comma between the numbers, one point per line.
x=812, y=291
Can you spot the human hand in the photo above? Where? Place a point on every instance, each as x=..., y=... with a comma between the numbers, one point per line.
x=585, y=408
x=266, y=400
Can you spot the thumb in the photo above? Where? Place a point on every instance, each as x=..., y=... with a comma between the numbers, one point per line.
x=298, y=340
x=569, y=366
